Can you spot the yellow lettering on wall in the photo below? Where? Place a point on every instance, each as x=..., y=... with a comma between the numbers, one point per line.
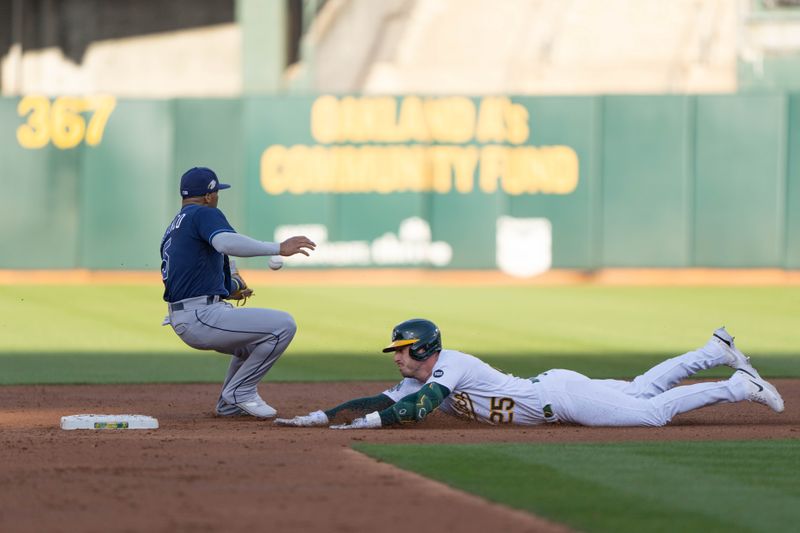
x=501, y=120
x=451, y=120
x=548, y=170
x=62, y=121
x=304, y=169
x=103, y=105
x=35, y=133
x=413, y=169
x=297, y=178
x=465, y=161
x=490, y=128
x=325, y=119
x=383, y=113
x=355, y=168
x=274, y=174
x=411, y=123
x=320, y=169
x=565, y=165
x=349, y=120
x=67, y=126
x=441, y=171
x=516, y=177
x=453, y=167
x=492, y=167
x=516, y=121
x=388, y=179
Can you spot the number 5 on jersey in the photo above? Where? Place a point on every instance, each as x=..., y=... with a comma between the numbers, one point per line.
x=165, y=260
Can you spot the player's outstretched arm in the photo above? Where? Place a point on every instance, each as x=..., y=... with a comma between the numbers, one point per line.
x=346, y=411
x=412, y=408
x=238, y=245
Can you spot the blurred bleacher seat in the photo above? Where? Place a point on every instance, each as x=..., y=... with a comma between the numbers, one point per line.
x=525, y=46
x=769, y=45
x=148, y=48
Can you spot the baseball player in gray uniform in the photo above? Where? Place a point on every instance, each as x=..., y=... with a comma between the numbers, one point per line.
x=199, y=276
x=463, y=385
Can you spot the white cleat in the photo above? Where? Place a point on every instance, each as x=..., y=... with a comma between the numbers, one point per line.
x=736, y=359
x=258, y=408
x=760, y=390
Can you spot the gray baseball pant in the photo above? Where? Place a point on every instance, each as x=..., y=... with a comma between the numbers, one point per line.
x=255, y=338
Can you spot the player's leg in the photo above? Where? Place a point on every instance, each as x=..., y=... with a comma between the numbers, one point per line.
x=590, y=403
x=669, y=373
x=741, y=386
x=224, y=408
x=256, y=337
x=596, y=405
x=260, y=357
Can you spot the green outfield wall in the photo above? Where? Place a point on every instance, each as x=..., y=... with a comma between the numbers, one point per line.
x=517, y=183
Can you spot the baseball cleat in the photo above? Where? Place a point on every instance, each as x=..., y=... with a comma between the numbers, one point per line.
x=258, y=408
x=736, y=359
x=760, y=390
x=226, y=409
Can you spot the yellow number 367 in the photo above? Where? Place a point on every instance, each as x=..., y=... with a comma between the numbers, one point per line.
x=62, y=122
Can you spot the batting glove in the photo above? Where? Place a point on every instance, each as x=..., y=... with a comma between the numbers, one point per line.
x=315, y=419
x=371, y=421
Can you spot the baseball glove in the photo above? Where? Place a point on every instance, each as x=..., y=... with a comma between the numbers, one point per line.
x=240, y=291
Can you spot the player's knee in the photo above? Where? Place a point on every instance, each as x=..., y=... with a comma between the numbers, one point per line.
x=289, y=326
x=659, y=419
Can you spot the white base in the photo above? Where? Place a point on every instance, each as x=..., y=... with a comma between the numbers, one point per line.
x=108, y=422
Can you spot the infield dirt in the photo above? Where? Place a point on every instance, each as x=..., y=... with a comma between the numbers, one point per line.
x=203, y=473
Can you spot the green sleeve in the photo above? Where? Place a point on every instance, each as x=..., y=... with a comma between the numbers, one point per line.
x=415, y=407
x=359, y=407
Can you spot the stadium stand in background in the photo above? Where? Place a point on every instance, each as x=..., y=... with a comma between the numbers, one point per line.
x=530, y=47
x=149, y=48
x=769, y=45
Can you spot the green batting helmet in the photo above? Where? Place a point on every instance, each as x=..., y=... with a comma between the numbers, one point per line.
x=421, y=334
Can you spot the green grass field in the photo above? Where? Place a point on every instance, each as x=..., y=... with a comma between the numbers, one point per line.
x=629, y=487
x=112, y=334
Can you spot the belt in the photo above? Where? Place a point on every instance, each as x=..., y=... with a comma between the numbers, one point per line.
x=180, y=306
x=547, y=409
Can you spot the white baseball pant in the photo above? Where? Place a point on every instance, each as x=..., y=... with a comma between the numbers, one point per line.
x=651, y=399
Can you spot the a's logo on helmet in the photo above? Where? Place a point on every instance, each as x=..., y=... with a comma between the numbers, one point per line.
x=438, y=373
x=212, y=184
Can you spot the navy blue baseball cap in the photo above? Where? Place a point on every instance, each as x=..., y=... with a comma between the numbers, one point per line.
x=199, y=181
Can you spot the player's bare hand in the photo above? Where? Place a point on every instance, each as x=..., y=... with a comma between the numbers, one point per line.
x=315, y=419
x=297, y=245
x=371, y=421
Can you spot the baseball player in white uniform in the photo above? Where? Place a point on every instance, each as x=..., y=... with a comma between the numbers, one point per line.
x=463, y=385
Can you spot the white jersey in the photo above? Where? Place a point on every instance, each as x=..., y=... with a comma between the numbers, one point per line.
x=478, y=391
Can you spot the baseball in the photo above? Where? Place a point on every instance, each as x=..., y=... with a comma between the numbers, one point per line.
x=275, y=262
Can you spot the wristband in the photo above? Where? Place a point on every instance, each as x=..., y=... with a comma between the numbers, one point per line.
x=373, y=420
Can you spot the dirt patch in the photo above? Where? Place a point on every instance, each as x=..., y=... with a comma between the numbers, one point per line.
x=202, y=473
